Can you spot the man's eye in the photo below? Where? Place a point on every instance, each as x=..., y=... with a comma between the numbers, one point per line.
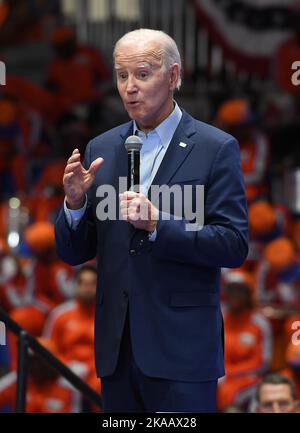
x=143, y=74
x=122, y=75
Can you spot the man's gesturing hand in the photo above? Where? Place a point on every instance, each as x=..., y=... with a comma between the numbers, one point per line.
x=138, y=211
x=77, y=180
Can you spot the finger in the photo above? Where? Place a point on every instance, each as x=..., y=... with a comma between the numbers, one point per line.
x=142, y=196
x=73, y=158
x=144, y=210
x=123, y=205
x=95, y=165
x=133, y=216
x=67, y=179
x=134, y=208
x=134, y=203
x=72, y=167
x=124, y=209
x=129, y=195
x=68, y=176
x=124, y=214
x=75, y=152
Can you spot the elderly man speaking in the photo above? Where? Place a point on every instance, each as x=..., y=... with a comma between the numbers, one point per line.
x=158, y=323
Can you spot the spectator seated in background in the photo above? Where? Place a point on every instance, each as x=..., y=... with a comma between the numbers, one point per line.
x=46, y=193
x=236, y=117
x=15, y=284
x=76, y=81
x=24, y=21
x=47, y=392
x=21, y=138
x=278, y=275
x=75, y=63
x=48, y=282
x=71, y=327
x=248, y=341
x=276, y=394
x=266, y=222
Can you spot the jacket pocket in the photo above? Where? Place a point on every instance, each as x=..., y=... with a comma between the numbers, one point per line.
x=194, y=299
x=187, y=181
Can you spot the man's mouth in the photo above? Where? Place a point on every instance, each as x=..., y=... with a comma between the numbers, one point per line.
x=133, y=103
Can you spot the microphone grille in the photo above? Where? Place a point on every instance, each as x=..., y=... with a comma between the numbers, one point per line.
x=133, y=143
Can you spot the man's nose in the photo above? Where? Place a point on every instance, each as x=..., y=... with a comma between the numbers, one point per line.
x=131, y=85
x=276, y=407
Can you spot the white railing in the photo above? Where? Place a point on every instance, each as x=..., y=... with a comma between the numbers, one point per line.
x=102, y=22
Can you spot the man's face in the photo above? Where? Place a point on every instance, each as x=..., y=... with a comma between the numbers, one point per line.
x=86, y=287
x=276, y=399
x=144, y=84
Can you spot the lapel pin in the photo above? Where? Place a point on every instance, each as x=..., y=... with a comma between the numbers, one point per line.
x=182, y=144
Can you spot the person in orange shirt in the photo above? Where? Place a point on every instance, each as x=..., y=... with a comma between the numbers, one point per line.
x=48, y=282
x=236, y=117
x=248, y=342
x=12, y=148
x=75, y=63
x=47, y=392
x=15, y=284
x=21, y=138
x=26, y=21
x=263, y=226
x=278, y=275
x=77, y=76
x=54, y=280
x=71, y=327
x=267, y=221
x=46, y=194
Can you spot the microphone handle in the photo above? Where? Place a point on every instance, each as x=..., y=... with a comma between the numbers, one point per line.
x=133, y=178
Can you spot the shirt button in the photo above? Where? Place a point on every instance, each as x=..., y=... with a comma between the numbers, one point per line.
x=132, y=252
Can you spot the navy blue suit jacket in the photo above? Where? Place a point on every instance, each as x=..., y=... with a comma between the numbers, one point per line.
x=172, y=285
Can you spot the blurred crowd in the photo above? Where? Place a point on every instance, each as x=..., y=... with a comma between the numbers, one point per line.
x=40, y=125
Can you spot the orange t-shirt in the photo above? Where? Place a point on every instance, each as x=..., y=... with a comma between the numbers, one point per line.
x=55, y=396
x=77, y=78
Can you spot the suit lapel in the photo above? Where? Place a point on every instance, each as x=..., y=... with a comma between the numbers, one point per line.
x=174, y=157
x=121, y=153
x=180, y=147
x=172, y=160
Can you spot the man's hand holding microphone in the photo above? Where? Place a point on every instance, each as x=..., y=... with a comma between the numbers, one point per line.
x=135, y=207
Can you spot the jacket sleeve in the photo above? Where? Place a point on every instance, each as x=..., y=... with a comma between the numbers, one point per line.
x=222, y=241
x=79, y=245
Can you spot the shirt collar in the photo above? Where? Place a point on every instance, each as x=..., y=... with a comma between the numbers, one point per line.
x=165, y=130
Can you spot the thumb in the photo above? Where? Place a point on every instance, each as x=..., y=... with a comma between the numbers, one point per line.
x=95, y=165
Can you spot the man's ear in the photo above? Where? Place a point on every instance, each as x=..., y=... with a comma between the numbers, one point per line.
x=174, y=76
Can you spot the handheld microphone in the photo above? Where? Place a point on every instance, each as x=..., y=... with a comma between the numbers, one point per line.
x=133, y=146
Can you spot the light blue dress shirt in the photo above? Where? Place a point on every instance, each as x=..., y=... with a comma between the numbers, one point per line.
x=155, y=145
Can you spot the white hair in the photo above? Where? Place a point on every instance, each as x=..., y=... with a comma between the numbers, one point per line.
x=170, y=50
